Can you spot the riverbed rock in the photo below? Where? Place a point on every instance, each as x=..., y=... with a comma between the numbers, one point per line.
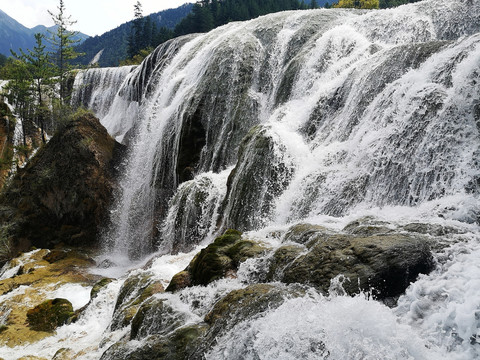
x=283, y=257
x=305, y=233
x=220, y=258
x=368, y=226
x=36, y=277
x=135, y=290
x=50, y=314
x=63, y=193
x=178, y=345
x=155, y=317
x=242, y=305
x=384, y=264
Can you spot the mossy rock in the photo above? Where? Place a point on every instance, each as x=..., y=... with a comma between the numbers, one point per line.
x=155, y=316
x=63, y=193
x=222, y=256
x=55, y=255
x=283, y=256
x=178, y=345
x=99, y=286
x=242, y=305
x=50, y=314
x=368, y=226
x=381, y=264
x=64, y=354
x=135, y=290
x=305, y=233
x=180, y=281
x=263, y=171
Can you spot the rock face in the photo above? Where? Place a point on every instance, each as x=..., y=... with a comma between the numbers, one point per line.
x=262, y=173
x=133, y=293
x=63, y=193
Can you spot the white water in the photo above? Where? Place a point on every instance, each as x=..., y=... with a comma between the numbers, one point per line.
x=375, y=113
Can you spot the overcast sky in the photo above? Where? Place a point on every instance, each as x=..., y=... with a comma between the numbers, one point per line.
x=94, y=17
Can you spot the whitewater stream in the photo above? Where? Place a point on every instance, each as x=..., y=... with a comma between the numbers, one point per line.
x=321, y=117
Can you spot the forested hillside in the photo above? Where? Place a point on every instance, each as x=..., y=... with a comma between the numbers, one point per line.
x=114, y=43
x=203, y=16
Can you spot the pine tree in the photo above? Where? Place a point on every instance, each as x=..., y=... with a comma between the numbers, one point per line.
x=63, y=42
x=136, y=32
x=40, y=69
x=19, y=92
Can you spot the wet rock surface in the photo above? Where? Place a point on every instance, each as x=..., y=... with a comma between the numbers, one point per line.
x=50, y=314
x=384, y=263
x=217, y=260
x=23, y=293
x=135, y=290
x=63, y=193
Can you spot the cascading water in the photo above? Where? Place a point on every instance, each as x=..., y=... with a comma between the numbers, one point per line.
x=354, y=102
x=323, y=117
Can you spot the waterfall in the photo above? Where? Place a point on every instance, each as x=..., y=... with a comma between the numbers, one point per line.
x=359, y=110
x=318, y=134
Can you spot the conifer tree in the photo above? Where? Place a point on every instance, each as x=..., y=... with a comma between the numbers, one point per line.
x=19, y=92
x=359, y=4
x=63, y=42
x=135, y=41
x=41, y=72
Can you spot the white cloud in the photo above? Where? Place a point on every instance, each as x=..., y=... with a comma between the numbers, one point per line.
x=94, y=17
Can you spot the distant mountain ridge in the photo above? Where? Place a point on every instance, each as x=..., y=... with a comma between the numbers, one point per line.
x=14, y=35
x=114, y=43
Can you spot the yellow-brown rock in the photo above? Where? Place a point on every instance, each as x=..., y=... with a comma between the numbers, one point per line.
x=20, y=293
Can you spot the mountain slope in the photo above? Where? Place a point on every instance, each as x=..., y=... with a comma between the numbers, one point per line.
x=14, y=35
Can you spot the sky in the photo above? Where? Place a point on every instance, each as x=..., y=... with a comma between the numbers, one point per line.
x=94, y=17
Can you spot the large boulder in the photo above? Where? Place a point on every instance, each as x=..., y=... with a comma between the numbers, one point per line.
x=218, y=260
x=63, y=193
x=50, y=314
x=178, y=345
x=163, y=336
x=383, y=263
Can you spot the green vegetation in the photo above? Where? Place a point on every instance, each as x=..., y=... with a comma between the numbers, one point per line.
x=63, y=44
x=40, y=80
x=359, y=4
x=114, y=44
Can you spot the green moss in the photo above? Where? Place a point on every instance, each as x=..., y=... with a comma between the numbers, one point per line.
x=99, y=286
x=50, y=314
x=216, y=260
x=179, y=281
x=243, y=250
